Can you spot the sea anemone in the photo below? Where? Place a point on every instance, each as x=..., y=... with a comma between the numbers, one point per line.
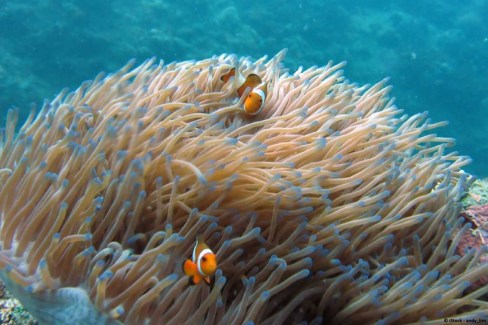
x=328, y=206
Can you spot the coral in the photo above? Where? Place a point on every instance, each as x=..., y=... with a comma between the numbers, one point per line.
x=328, y=206
x=11, y=312
x=477, y=216
x=477, y=195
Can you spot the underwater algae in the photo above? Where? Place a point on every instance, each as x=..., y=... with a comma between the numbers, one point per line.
x=328, y=206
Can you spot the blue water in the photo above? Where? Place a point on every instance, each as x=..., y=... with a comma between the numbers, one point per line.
x=435, y=52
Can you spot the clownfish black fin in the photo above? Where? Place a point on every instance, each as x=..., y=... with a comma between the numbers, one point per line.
x=210, y=281
x=191, y=281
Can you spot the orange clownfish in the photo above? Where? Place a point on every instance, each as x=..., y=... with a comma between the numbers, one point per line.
x=254, y=102
x=228, y=75
x=202, y=265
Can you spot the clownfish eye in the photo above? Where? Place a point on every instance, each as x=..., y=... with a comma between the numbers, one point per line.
x=204, y=259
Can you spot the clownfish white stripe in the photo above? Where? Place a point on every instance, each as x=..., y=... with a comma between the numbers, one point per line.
x=260, y=93
x=202, y=254
x=194, y=255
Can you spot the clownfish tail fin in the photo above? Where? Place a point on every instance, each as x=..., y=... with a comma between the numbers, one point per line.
x=231, y=73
